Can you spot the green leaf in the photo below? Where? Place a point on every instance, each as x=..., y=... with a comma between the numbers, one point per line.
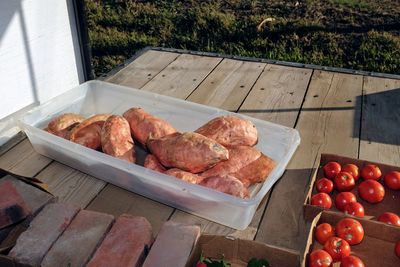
x=254, y=262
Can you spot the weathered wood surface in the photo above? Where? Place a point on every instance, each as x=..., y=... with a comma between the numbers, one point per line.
x=380, y=131
x=326, y=124
x=339, y=113
x=267, y=90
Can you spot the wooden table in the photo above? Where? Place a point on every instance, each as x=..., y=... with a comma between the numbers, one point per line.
x=354, y=115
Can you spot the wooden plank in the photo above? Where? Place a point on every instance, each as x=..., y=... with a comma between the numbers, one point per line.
x=293, y=80
x=143, y=69
x=70, y=185
x=182, y=76
x=116, y=201
x=278, y=94
x=23, y=160
x=64, y=182
x=380, y=138
x=328, y=120
x=12, y=142
x=228, y=85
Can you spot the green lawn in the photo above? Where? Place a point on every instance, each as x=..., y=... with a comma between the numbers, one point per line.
x=363, y=35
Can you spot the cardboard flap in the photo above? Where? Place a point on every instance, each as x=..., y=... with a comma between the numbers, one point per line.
x=29, y=180
x=239, y=252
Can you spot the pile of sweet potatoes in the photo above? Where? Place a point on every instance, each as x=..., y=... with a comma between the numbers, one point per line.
x=219, y=155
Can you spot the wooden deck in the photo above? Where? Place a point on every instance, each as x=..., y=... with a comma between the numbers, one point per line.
x=347, y=114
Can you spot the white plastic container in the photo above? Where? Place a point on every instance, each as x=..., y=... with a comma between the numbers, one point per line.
x=278, y=142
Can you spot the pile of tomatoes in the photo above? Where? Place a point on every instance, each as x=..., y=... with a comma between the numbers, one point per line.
x=344, y=179
x=336, y=244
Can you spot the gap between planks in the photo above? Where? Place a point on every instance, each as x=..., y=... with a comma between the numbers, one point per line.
x=323, y=128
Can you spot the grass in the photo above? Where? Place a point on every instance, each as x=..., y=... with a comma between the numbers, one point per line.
x=362, y=35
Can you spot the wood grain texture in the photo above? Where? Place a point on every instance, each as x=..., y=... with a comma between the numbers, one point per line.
x=327, y=121
x=65, y=182
x=295, y=81
x=182, y=76
x=70, y=185
x=277, y=94
x=380, y=137
x=228, y=84
x=143, y=69
x=116, y=201
x=12, y=142
x=23, y=160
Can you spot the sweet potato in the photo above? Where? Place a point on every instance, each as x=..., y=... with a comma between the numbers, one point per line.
x=185, y=176
x=190, y=152
x=88, y=132
x=144, y=125
x=246, y=163
x=227, y=184
x=230, y=131
x=116, y=139
x=63, y=124
x=152, y=163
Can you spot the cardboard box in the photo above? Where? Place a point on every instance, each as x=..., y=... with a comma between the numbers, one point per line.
x=377, y=247
x=391, y=202
x=36, y=195
x=238, y=252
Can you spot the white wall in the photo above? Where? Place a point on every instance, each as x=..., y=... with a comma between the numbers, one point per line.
x=39, y=52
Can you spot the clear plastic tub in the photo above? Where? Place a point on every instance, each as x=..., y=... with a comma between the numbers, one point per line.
x=276, y=141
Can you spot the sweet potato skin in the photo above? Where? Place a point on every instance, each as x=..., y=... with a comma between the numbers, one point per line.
x=245, y=163
x=230, y=131
x=227, y=184
x=189, y=151
x=239, y=157
x=63, y=124
x=256, y=172
x=88, y=132
x=144, y=125
x=185, y=176
x=152, y=163
x=116, y=139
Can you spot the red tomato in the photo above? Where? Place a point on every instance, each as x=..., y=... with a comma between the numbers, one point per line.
x=351, y=261
x=392, y=180
x=355, y=209
x=371, y=191
x=350, y=230
x=344, y=181
x=389, y=218
x=322, y=200
x=371, y=171
x=319, y=258
x=331, y=169
x=344, y=198
x=353, y=170
x=337, y=248
x=201, y=264
x=323, y=232
x=324, y=185
x=397, y=249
